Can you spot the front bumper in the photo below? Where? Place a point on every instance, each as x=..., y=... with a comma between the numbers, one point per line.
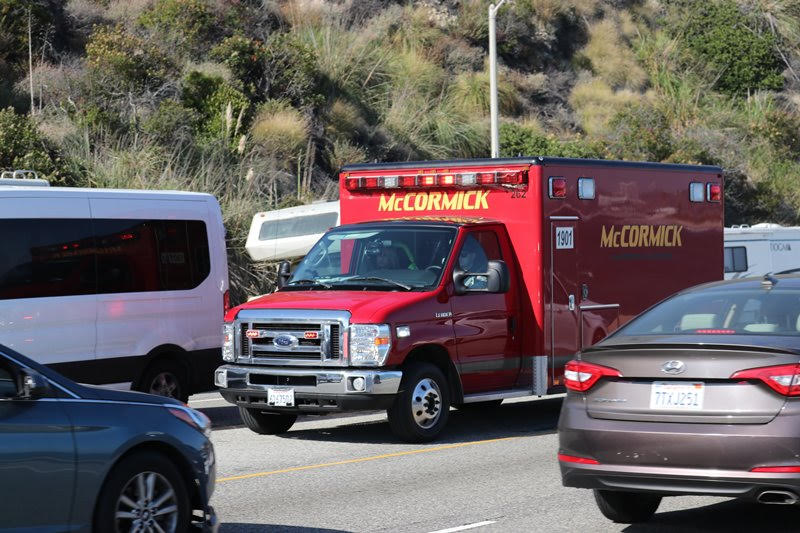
x=678, y=458
x=316, y=390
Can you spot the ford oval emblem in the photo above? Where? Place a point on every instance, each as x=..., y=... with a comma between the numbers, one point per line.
x=673, y=367
x=285, y=340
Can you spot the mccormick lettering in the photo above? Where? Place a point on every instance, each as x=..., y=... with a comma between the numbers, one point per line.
x=641, y=236
x=434, y=201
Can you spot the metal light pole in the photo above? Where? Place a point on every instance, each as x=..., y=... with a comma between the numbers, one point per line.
x=493, y=77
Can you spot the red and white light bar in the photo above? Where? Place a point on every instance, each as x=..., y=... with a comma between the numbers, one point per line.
x=430, y=180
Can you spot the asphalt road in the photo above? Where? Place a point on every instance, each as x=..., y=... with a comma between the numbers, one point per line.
x=493, y=470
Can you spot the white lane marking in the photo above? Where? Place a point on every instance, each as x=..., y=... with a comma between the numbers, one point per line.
x=464, y=528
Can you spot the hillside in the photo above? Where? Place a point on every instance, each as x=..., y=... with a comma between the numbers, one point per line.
x=259, y=102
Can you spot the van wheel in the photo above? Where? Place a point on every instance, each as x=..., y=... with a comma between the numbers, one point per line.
x=422, y=405
x=472, y=406
x=144, y=492
x=627, y=507
x=266, y=423
x=165, y=378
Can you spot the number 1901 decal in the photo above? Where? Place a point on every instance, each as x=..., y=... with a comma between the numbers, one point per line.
x=564, y=239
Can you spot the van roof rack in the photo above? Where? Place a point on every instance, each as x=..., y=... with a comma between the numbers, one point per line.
x=22, y=178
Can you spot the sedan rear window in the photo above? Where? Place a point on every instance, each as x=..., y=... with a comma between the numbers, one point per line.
x=720, y=312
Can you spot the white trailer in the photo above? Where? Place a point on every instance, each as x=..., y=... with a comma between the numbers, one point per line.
x=291, y=232
x=760, y=249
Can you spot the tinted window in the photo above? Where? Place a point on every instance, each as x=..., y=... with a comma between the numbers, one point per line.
x=8, y=386
x=150, y=255
x=735, y=259
x=63, y=257
x=46, y=257
x=720, y=311
x=294, y=227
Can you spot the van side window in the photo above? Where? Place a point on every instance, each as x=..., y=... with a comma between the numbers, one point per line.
x=297, y=226
x=68, y=257
x=735, y=259
x=46, y=257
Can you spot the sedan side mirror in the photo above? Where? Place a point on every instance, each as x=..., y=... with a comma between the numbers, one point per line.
x=284, y=273
x=494, y=280
x=32, y=385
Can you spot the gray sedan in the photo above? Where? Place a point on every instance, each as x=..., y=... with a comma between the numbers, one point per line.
x=78, y=458
x=698, y=395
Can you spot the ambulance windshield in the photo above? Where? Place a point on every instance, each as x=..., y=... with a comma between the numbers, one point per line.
x=390, y=257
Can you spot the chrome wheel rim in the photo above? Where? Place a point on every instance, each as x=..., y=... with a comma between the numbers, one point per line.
x=165, y=384
x=147, y=504
x=426, y=403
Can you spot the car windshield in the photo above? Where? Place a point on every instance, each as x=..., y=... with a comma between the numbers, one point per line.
x=722, y=311
x=406, y=257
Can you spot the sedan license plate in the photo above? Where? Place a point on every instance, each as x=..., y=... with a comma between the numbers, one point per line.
x=280, y=397
x=678, y=396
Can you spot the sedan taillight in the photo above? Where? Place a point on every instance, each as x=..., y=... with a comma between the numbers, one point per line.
x=784, y=379
x=581, y=376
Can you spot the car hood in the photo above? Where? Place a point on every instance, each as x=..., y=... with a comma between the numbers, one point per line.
x=777, y=343
x=368, y=306
x=99, y=393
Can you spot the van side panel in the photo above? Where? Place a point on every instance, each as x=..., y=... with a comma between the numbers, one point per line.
x=40, y=327
x=135, y=323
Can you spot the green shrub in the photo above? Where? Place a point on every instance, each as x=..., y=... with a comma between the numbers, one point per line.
x=281, y=67
x=172, y=122
x=718, y=33
x=519, y=140
x=190, y=24
x=22, y=147
x=640, y=133
x=224, y=111
x=128, y=60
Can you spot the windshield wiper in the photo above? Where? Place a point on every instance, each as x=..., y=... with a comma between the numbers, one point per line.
x=376, y=278
x=310, y=282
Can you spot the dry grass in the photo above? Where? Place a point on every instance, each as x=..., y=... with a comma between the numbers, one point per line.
x=308, y=13
x=595, y=103
x=280, y=130
x=126, y=11
x=611, y=57
x=344, y=120
x=343, y=152
x=470, y=93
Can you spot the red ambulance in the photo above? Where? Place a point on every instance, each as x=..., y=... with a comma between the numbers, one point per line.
x=467, y=282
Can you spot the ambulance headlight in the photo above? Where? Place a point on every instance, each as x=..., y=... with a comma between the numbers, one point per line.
x=369, y=344
x=228, y=343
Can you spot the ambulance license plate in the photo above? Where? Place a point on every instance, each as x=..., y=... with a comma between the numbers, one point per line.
x=280, y=397
x=677, y=396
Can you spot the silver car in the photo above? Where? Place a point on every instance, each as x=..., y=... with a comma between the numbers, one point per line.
x=698, y=395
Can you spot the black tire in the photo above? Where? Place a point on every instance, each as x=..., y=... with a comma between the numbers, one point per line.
x=489, y=404
x=424, y=423
x=627, y=507
x=165, y=377
x=265, y=423
x=122, y=481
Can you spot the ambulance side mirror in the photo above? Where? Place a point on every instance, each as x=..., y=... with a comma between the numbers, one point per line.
x=494, y=280
x=284, y=273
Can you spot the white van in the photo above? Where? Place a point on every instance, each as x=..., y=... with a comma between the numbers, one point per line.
x=760, y=249
x=115, y=287
x=291, y=232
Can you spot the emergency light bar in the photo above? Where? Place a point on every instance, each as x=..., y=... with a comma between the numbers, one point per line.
x=430, y=180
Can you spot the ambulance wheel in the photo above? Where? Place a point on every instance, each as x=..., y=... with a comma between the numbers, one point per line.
x=266, y=423
x=165, y=377
x=422, y=405
x=488, y=404
x=143, y=492
x=627, y=507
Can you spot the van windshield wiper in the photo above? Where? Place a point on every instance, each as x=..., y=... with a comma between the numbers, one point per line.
x=309, y=282
x=376, y=278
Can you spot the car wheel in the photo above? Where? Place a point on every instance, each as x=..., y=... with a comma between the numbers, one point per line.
x=165, y=378
x=472, y=406
x=144, y=492
x=266, y=423
x=627, y=507
x=422, y=405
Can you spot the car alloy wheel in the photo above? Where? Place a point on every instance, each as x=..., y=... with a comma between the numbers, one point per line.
x=147, y=504
x=426, y=403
